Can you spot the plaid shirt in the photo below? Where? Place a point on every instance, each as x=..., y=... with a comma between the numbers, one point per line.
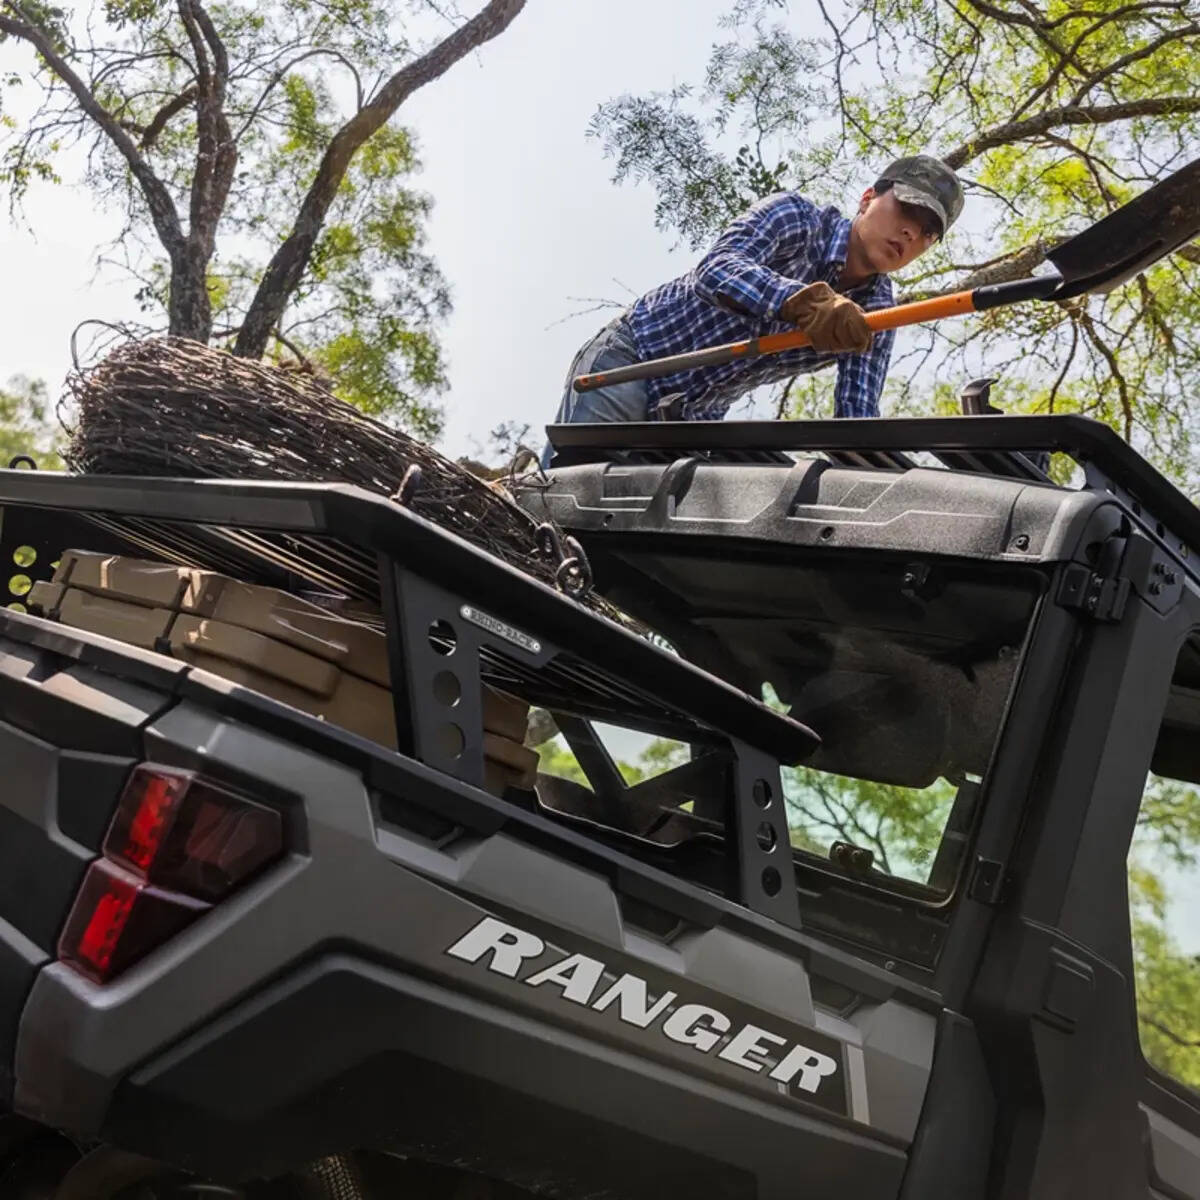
x=735, y=293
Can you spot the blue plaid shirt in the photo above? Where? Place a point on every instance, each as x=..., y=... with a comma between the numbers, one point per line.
x=781, y=244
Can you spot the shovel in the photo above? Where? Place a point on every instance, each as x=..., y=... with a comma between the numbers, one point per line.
x=1099, y=259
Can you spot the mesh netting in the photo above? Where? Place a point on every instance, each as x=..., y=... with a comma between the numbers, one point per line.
x=173, y=407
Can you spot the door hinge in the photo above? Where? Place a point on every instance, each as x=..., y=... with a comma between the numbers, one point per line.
x=1101, y=589
x=1102, y=599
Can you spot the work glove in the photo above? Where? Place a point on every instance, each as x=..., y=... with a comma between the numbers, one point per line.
x=834, y=323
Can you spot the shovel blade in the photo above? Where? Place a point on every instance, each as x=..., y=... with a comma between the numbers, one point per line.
x=1133, y=237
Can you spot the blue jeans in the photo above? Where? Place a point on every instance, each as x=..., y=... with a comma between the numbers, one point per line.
x=612, y=347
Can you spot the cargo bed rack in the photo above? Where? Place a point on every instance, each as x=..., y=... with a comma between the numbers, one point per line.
x=446, y=606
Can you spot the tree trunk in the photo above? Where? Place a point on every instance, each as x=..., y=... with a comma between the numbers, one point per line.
x=189, y=310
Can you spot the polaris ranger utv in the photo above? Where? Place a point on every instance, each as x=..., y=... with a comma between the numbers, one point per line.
x=932, y=725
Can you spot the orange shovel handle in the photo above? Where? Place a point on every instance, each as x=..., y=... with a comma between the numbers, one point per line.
x=956, y=304
x=881, y=318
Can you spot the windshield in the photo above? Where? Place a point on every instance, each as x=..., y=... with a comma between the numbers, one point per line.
x=903, y=667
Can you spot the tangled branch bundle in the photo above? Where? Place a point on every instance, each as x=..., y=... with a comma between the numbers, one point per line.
x=173, y=407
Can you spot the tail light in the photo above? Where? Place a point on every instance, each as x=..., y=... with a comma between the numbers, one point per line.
x=117, y=918
x=178, y=843
x=184, y=832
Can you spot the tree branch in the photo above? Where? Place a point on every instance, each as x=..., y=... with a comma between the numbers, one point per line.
x=1114, y=367
x=158, y=199
x=1058, y=382
x=158, y=122
x=280, y=73
x=1116, y=14
x=219, y=54
x=1069, y=114
x=287, y=265
x=1168, y=1032
x=1006, y=16
x=1090, y=161
x=216, y=160
x=216, y=153
x=1035, y=22
x=1018, y=265
x=1180, y=33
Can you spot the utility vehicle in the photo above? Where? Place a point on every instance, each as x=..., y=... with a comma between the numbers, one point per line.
x=902, y=904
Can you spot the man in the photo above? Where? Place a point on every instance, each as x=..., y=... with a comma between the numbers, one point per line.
x=785, y=264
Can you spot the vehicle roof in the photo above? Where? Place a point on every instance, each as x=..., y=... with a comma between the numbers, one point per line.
x=861, y=483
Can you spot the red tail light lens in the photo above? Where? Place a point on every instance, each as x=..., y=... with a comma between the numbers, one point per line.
x=117, y=918
x=177, y=844
x=184, y=832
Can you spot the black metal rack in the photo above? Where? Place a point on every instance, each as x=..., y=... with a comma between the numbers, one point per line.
x=447, y=607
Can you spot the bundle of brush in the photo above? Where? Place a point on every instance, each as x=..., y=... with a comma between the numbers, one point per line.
x=173, y=407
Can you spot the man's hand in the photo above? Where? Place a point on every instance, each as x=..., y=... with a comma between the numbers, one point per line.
x=833, y=322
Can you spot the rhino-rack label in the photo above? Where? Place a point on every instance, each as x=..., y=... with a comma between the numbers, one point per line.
x=792, y=1066
x=501, y=630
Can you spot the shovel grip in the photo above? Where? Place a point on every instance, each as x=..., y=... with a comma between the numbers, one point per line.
x=774, y=343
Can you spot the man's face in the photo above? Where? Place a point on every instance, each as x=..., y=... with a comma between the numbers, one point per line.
x=892, y=234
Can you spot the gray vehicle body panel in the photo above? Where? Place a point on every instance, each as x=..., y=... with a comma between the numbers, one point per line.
x=376, y=902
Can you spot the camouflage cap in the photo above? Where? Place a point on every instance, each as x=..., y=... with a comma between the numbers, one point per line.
x=928, y=182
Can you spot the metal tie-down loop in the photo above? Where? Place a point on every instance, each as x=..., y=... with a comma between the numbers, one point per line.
x=573, y=574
